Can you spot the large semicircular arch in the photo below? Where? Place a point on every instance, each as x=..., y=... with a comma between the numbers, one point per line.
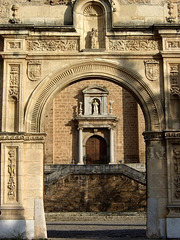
x=108, y=70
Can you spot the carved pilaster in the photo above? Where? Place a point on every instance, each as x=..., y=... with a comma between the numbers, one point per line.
x=174, y=80
x=173, y=161
x=12, y=174
x=176, y=153
x=14, y=76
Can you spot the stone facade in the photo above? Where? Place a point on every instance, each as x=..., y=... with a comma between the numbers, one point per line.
x=62, y=133
x=51, y=48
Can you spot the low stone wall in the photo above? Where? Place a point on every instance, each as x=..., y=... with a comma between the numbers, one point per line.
x=95, y=193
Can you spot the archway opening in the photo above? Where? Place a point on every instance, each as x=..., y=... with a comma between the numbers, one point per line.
x=118, y=191
x=96, y=150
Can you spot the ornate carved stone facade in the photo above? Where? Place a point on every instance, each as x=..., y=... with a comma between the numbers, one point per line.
x=53, y=50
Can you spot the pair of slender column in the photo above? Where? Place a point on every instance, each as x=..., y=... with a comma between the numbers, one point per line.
x=80, y=160
x=112, y=155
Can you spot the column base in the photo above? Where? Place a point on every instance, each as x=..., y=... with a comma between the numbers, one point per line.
x=80, y=164
x=172, y=226
x=112, y=163
x=19, y=229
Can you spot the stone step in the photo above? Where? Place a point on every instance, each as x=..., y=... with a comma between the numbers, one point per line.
x=55, y=172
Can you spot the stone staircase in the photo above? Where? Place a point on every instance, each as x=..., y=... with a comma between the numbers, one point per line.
x=55, y=172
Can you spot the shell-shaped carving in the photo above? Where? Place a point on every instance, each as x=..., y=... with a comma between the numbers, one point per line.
x=93, y=10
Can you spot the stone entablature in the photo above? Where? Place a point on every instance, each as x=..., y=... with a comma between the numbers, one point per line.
x=22, y=137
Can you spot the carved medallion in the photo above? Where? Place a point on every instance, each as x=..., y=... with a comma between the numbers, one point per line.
x=152, y=70
x=34, y=70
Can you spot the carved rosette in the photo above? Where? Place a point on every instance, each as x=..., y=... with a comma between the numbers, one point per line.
x=133, y=45
x=14, y=75
x=12, y=174
x=52, y=45
x=174, y=80
x=176, y=153
x=152, y=70
x=34, y=70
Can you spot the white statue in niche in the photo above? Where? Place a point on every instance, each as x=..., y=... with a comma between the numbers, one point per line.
x=95, y=107
x=94, y=39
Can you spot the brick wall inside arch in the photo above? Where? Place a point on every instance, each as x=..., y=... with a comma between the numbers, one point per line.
x=62, y=137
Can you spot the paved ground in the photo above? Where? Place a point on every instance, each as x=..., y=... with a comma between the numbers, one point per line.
x=127, y=228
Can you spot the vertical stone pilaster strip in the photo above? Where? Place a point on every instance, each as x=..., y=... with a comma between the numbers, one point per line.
x=12, y=187
x=14, y=77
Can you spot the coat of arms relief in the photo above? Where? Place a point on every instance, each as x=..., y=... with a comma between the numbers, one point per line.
x=152, y=70
x=34, y=70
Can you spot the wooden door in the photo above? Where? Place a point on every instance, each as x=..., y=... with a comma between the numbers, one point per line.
x=96, y=150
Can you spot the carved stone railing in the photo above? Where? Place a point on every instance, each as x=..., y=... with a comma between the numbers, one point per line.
x=55, y=172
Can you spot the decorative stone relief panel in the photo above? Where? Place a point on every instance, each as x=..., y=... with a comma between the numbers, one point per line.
x=172, y=44
x=138, y=1
x=12, y=175
x=14, y=45
x=152, y=70
x=34, y=70
x=174, y=79
x=176, y=152
x=14, y=76
x=59, y=2
x=52, y=45
x=133, y=45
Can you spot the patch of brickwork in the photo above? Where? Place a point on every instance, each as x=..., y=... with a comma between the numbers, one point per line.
x=95, y=193
x=64, y=131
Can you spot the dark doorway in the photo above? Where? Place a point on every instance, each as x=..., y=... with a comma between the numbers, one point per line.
x=96, y=150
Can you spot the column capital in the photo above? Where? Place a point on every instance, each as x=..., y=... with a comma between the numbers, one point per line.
x=80, y=128
x=153, y=136
x=172, y=135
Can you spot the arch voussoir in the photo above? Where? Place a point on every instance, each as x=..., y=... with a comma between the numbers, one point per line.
x=150, y=103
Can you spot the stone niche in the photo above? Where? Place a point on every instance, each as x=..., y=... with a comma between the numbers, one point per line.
x=94, y=27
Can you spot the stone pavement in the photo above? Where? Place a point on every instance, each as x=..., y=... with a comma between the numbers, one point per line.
x=102, y=228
